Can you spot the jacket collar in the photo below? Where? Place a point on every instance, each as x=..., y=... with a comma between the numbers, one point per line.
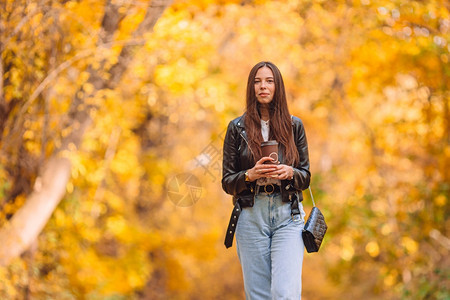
x=240, y=121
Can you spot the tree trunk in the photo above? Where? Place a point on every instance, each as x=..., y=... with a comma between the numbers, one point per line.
x=29, y=221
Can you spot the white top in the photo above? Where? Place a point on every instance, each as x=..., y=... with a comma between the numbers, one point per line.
x=265, y=133
x=265, y=130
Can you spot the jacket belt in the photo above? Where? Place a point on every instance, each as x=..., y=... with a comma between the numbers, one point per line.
x=232, y=225
x=295, y=210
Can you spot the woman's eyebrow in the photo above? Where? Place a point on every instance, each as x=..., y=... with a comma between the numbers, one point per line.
x=268, y=77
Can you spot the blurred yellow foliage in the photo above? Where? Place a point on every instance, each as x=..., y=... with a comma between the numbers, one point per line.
x=369, y=79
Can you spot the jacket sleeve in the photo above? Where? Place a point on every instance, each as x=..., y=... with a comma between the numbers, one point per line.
x=233, y=178
x=302, y=175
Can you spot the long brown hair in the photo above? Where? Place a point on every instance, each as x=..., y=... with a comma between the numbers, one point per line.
x=280, y=119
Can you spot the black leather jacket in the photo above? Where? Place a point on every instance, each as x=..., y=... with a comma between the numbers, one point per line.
x=236, y=161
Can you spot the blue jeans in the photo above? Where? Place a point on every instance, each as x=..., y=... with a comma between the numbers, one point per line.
x=270, y=249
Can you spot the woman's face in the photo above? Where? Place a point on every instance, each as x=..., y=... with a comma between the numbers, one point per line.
x=264, y=85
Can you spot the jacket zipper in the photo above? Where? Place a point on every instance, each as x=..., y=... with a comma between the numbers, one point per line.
x=248, y=146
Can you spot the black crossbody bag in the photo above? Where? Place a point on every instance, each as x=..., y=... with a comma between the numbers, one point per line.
x=315, y=228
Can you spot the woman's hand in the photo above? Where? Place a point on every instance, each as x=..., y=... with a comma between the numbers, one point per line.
x=281, y=172
x=261, y=170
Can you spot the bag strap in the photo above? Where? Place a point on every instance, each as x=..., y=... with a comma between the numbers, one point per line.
x=309, y=187
x=312, y=197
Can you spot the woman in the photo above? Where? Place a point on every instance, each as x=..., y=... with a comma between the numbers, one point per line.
x=267, y=197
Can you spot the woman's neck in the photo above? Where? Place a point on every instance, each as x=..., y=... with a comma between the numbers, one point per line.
x=264, y=110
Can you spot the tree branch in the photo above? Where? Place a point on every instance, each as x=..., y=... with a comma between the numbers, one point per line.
x=19, y=26
x=154, y=12
x=54, y=74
